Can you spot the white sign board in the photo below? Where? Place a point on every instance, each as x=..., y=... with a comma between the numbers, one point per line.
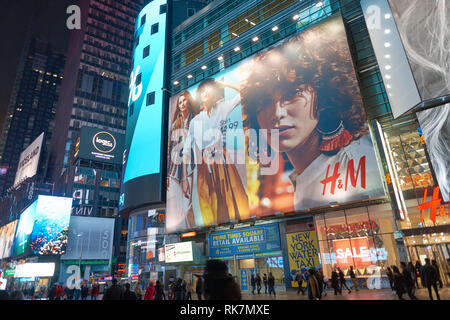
x=30, y=270
x=179, y=252
x=29, y=161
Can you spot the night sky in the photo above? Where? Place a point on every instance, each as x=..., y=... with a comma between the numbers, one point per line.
x=49, y=23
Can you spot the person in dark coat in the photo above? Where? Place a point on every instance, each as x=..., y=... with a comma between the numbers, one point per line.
x=253, y=283
x=390, y=276
x=312, y=285
x=399, y=285
x=335, y=282
x=319, y=276
x=218, y=283
x=430, y=278
x=199, y=287
x=408, y=281
x=128, y=294
x=342, y=281
x=84, y=292
x=299, y=278
x=353, y=278
x=114, y=292
x=258, y=283
x=418, y=267
x=271, y=284
x=178, y=289
x=52, y=293
x=435, y=265
x=265, y=283
x=159, y=291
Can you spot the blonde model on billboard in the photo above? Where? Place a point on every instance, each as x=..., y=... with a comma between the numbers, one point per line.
x=306, y=90
x=217, y=191
x=178, y=205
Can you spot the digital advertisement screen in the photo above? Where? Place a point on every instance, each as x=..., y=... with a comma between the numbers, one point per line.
x=179, y=252
x=143, y=155
x=100, y=145
x=29, y=160
x=44, y=226
x=90, y=238
x=279, y=132
x=31, y=270
x=7, y=233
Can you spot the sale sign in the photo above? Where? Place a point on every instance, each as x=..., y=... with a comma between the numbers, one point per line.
x=352, y=252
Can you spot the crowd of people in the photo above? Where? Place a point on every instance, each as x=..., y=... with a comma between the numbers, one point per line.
x=268, y=281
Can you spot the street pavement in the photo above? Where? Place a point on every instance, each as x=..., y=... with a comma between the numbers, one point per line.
x=362, y=294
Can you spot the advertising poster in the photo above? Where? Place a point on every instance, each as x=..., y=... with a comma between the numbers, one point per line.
x=100, y=145
x=179, y=252
x=279, y=132
x=29, y=160
x=7, y=233
x=24, y=230
x=244, y=242
x=244, y=279
x=352, y=252
x=302, y=250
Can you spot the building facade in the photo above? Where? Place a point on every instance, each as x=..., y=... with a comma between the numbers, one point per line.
x=368, y=209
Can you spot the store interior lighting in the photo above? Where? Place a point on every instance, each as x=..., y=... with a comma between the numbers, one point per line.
x=189, y=76
x=176, y=83
x=220, y=58
x=296, y=17
x=237, y=49
x=275, y=28
x=319, y=4
x=204, y=67
x=254, y=39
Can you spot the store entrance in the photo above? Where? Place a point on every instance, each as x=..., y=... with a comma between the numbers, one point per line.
x=439, y=252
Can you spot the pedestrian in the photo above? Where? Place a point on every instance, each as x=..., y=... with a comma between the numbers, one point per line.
x=150, y=292
x=435, y=265
x=271, y=284
x=390, y=276
x=77, y=293
x=398, y=282
x=178, y=289
x=319, y=276
x=408, y=281
x=258, y=283
x=4, y=295
x=199, y=287
x=184, y=290
x=138, y=290
x=51, y=293
x=335, y=282
x=159, y=291
x=412, y=271
x=299, y=278
x=218, y=283
x=265, y=283
x=342, y=281
x=312, y=285
x=353, y=278
x=59, y=292
x=84, y=291
x=128, y=294
x=418, y=267
x=171, y=293
x=430, y=278
x=188, y=291
x=94, y=291
x=253, y=283
x=324, y=283
x=16, y=295
x=114, y=292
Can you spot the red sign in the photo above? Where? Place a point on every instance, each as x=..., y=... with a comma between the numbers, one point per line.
x=434, y=204
x=352, y=252
x=351, y=176
x=189, y=234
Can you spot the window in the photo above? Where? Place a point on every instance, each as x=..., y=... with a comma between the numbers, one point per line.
x=131, y=109
x=139, y=79
x=137, y=41
x=190, y=12
x=150, y=98
x=146, y=52
x=143, y=19
x=162, y=8
x=155, y=28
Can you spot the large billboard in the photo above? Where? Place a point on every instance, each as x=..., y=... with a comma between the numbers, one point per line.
x=90, y=238
x=43, y=226
x=29, y=160
x=143, y=158
x=7, y=233
x=99, y=145
x=282, y=131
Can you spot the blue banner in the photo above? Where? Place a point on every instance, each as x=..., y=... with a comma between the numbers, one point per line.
x=245, y=241
x=244, y=279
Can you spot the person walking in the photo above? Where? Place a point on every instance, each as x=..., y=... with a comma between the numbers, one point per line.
x=188, y=291
x=51, y=293
x=114, y=292
x=265, y=283
x=398, y=282
x=253, y=283
x=218, y=283
x=412, y=270
x=435, y=265
x=324, y=282
x=390, y=276
x=342, y=281
x=312, y=285
x=138, y=291
x=430, y=278
x=178, y=289
x=258, y=283
x=299, y=278
x=199, y=287
x=84, y=291
x=128, y=294
x=408, y=281
x=271, y=284
x=353, y=278
x=94, y=291
x=150, y=292
x=418, y=267
x=59, y=292
x=159, y=291
x=335, y=282
x=319, y=276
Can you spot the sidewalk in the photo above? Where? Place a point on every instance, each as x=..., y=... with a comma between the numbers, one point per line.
x=362, y=294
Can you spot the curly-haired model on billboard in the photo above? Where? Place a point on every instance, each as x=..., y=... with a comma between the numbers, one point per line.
x=305, y=90
x=186, y=109
x=217, y=191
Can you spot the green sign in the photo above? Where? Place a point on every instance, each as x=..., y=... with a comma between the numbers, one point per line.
x=9, y=273
x=90, y=262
